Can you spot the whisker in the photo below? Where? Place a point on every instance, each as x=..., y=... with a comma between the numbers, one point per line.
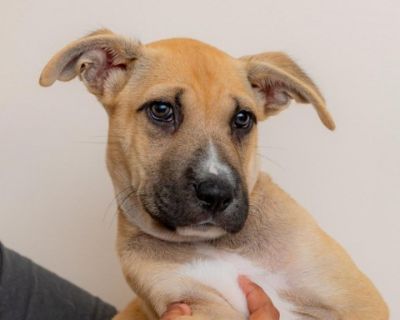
x=120, y=202
x=95, y=142
x=270, y=160
x=104, y=135
x=114, y=201
x=270, y=147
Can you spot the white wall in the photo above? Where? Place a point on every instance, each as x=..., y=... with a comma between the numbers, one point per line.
x=56, y=198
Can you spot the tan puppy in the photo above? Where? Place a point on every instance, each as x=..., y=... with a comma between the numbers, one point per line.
x=194, y=210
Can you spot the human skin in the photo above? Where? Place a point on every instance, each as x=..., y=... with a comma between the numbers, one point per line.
x=259, y=304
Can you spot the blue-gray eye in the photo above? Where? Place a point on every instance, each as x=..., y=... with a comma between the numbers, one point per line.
x=161, y=111
x=243, y=120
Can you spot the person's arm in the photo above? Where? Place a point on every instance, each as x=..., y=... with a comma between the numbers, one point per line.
x=30, y=292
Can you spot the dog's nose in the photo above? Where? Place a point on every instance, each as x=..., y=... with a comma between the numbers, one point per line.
x=217, y=194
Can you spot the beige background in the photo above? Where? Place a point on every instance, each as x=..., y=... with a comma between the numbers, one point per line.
x=56, y=198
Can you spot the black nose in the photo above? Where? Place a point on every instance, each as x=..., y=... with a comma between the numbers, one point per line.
x=217, y=194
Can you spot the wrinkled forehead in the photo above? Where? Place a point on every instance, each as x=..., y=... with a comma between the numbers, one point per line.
x=210, y=73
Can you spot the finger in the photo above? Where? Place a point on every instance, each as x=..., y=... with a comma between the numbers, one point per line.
x=265, y=313
x=256, y=298
x=176, y=310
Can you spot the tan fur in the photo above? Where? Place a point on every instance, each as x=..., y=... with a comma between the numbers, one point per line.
x=278, y=234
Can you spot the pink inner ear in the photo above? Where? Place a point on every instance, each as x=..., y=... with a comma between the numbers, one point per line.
x=96, y=65
x=276, y=94
x=112, y=60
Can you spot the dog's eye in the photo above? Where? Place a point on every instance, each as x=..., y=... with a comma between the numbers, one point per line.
x=242, y=120
x=161, y=111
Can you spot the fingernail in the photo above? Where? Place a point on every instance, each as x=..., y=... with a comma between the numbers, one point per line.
x=243, y=278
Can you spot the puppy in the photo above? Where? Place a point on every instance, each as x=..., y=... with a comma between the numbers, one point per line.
x=194, y=211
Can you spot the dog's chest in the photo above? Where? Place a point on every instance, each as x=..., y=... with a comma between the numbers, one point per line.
x=220, y=270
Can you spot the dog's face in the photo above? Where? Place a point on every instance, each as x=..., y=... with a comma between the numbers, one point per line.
x=188, y=122
x=183, y=117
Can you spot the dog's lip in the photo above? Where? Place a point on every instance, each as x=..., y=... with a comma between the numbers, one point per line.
x=205, y=223
x=201, y=231
x=203, y=226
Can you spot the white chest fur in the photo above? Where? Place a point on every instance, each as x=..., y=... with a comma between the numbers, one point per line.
x=220, y=270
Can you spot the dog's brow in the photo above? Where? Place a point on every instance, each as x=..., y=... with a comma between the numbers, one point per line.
x=162, y=93
x=242, y=103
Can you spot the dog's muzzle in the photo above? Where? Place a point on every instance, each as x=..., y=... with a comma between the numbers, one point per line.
x=208, y=193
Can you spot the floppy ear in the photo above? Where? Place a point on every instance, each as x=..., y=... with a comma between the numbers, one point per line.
x=277, y=79
x=102, y=60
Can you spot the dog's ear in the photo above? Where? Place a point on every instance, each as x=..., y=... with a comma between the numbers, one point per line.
x=277, y=79
x=102, y=60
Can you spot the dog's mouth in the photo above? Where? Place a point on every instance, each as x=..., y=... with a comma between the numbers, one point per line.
x=204, y=226
x=191, y=219
x=206, y=229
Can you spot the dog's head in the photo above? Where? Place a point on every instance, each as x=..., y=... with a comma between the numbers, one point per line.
x=183, y=118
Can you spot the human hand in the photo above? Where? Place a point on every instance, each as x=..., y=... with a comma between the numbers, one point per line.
x=259, y=304
x=176, y=310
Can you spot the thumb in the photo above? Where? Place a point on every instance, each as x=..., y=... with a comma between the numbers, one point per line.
x=176, y=310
